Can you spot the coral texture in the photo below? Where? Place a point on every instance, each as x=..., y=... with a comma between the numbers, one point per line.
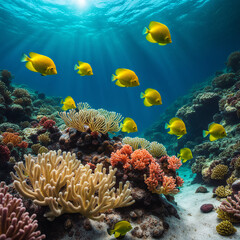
x=66, y=186
x=219, y=172
x=225, y=228
x=15, y=222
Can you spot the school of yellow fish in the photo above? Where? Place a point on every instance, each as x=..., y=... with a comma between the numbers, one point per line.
x=156, y=33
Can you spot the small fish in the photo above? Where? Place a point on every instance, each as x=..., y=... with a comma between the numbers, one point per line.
x=185, y=154
x=216, y=131
x=128, y=125
x=84, y=69
x=177, y=127
x=120, y=229
x=157, y=33
x=152, y=97
x=68, y=103
x=39, y=63
x=125, y=78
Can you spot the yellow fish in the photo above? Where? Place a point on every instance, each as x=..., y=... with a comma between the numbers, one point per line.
x=157, y=33
x=39, y=63
x=185, y=154
x=177, y=127
x=125, y=78
x=120, y=229
x=128, y=125
x=216, y=131
x=84, y=69
x=68, y=103
x=152, y=97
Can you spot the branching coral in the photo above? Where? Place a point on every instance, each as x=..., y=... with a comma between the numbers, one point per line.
x=174, y=163
x=66, y=186
x=15, y=222
x=13, y=138
x=97, y=120
x=219, y=172
x=140, y=159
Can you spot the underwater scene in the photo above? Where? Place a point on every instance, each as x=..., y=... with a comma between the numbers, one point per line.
x=119, y=119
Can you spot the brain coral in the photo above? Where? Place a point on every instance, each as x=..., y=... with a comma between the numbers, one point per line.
x=225, y=228
x=222, y=191
x=219, y=172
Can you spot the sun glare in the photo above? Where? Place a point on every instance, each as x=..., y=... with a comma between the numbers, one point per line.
x=82, y=3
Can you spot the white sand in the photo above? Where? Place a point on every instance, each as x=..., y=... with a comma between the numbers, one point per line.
x=193, y=223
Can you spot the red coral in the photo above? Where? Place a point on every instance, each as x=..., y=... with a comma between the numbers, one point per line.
x=4, y=153
x=179, y=181
x=23, y=144
x=48, y=123
x=43, y=120
x=13, y=138
x=140, y=159
x=174, y=163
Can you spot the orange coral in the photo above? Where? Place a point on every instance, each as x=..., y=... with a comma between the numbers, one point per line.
x=169, y=185
x=179, y=181
x=13, y=138
x=140, y=159
x=174, y=163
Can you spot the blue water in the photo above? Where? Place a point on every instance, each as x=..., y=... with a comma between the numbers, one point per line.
x=108, y=35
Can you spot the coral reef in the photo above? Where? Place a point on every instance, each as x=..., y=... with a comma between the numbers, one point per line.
x=15, y=222
x=225, y=228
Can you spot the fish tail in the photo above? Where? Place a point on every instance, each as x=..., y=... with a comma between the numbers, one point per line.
x=205, y=133
x=178, y=155
x=142, y=95
x=109, y=231
x=75, y=67
x=25, y=58
x=145, y=31
x=61, y=101
x=121, y=125
x=167, y=126
x=114, y=77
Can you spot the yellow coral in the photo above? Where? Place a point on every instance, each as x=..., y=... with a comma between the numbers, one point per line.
x=99, y=120
x=42, y=150
x=65, y=185
x=226, y=216
x=231, y=180
x=225, y=228
x=44, y=139
x=219, y=172
x=222, y=191
x=35, y=148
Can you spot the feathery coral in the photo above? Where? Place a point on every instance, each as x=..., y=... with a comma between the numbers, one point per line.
x=15, y=222
x=136, y=142
x=99, y=120
x=157, y=149
x=66, y=186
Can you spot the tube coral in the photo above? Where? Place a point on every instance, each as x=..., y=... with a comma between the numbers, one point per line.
x=66, y=186
x=15, y=222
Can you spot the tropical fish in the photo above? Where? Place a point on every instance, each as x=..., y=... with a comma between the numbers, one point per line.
x=68, y=103
x=157, y=33
x=177, y=127
x=185, y=154
x=216, y=131
x=128, y=125
x=120, y=229
x=84, y=69
x=39, y=63
x=125, y=78
x=152, y=97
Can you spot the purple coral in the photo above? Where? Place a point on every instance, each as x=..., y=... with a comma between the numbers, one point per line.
x=15, y=222
x=232, y=205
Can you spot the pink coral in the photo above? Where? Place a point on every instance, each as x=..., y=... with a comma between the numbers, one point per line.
x=15, y=222
x=48, y=123
x=140, y=159
x=179, y=181
x=4, y=153
x=174, y=163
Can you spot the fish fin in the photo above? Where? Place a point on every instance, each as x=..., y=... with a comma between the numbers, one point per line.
x=162, y=44
x=61, y=102
x=148, y=90
x=114, y=77
x=42, y=74
x=211, y=138
x=205, y=133
x=179, y=136
x=117, y=234
x=25, y=58
x=76, y=67
x=127, y=119
x=174, y=119
x=142, y=95
x=211, y=125
x=120, y=70
x=184, y=160
x=167, y=126
x=123, y=129
x=30, y=67
x=146, y=103
x=145, y=31
x=170, y=132
x=64, y=108
x=79, y=62
x=80, y=73
x=150, y=39
x=32, y=54
x=154, y=24
x=119, y=84
x=68, y=98
x=110, y=231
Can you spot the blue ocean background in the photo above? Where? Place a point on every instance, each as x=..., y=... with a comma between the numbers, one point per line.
x=108, y=35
